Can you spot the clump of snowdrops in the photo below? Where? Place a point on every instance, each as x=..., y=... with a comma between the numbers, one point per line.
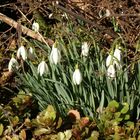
x=78, y=75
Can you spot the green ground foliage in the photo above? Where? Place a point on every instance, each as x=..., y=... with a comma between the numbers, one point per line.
x=51, y=102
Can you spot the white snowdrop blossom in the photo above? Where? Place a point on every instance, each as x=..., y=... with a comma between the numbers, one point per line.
x=109, y=60
x=117, y=58
x=85, y=49
x=114, y=59
x=21, y=53
x=111, y=71
x=42, y=68
x=117, y=54
x=31, y=54
x=35, y=26
x=13, y=64
x=77, y=77
x=55, y=55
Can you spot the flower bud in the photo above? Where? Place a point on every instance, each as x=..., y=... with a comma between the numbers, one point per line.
x=35, y=26
x=85, y=49
x=42, y=68
x=77, y=77
x=21, y=53
x=111, y=71
x=55, y=55
x=13, y=64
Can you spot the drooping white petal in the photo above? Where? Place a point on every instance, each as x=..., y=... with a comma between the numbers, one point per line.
x=77, y=77
x=21, y=53
x=55, y=55
x=42, y=68
x=18, y=53
x=117, y=54
x=111, y=71
x=13, y=64
x=109, y=60
x=117, y=58
x=35, y=26
x=85, y=49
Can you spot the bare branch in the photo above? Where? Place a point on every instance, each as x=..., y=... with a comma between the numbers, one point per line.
x=101, y=28
x=24, y=29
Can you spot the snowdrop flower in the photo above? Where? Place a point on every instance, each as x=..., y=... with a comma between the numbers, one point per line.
x=13, y=64
x=117, y=58
x=42, y=68
x=31, y=54
x=77, y=77
x=35, y=26
x=114, y=59
x=111, y=71
x=85, y=49
x=117, y=54
x=109, y=60
x=55, y=55
x=21, y=53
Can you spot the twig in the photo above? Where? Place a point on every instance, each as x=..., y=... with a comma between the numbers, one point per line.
x=24, y=29
x=6, y=40
x=3, y=33
x=20, y=127
x=76, y=15
x=125, y=15
x=100, y=28
x=31, y=23
x=9, y=4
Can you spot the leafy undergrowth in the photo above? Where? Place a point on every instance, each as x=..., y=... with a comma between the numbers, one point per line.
x=20, y=118
x=17, y=122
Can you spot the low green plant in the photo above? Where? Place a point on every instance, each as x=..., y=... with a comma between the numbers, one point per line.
x=13, y=116
x=113, y=117
x=112, y=123
x=96, y=90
